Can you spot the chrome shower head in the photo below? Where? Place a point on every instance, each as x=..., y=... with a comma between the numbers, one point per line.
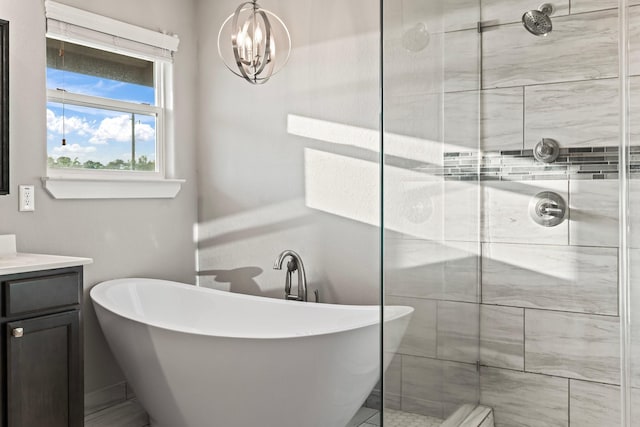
x=538, y=22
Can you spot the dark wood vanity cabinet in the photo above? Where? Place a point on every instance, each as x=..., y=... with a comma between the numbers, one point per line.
x=41, y=349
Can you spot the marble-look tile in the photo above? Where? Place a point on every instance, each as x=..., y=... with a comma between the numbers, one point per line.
x=579, y=346
x=361, y=416
x=525, y=400
x=500, y=112
x=593, y=404
x=393, y=377
x=593, y=213
x=430, y=408
x=567, y=278
x=428, y=385
x=436, y=15
x=582, y=6
x=375, y=420
x=127, y=414
x=461, y=14
x=417, y=115
x=498, y=12
x=461, y=385
x=461, y=64
x=506, y=212
x=393, y=401
x=634, y=184
x=407, y=72
x=461, y=128
x=435, y=270
x=481, y=416
x=420, y=337
x=459, y=415
x=514, y=57
x=461, y=211
x=470, y=415
x=635, y=405
x=634, y=213
x=502, y=337
x=489, y=421
x=634, y=101
x=575, y=114
x=413, y=203
x=104, y=398
x=458, y=331
x=400, y=17
x=634, y=40
x=634, y=303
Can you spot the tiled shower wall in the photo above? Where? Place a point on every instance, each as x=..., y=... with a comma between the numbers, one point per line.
x=525, y=314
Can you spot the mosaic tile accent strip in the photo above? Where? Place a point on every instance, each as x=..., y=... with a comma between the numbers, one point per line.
x=519, y=165
x=586, y=163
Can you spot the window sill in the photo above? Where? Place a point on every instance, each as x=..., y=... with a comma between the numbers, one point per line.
x=82, y=188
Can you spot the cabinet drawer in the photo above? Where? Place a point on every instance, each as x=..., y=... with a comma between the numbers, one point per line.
x=41, y=293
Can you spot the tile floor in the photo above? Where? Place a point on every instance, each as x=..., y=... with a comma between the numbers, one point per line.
x=131, y=414
x=367, y=417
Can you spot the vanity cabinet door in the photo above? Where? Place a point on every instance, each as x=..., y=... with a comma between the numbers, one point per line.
x=44, y=371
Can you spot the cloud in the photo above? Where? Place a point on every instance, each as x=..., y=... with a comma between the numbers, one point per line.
x=67, y=125
x=119, y=129
x=73, y=149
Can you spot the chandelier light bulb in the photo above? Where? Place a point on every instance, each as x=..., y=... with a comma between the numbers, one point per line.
x=247, y=43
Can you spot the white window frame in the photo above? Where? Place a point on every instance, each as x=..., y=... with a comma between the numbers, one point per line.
x=88, y=29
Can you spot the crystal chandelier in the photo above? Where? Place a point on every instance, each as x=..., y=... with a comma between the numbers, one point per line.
x=247, y=43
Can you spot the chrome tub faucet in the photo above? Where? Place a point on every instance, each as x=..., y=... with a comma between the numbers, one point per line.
x=294, y=264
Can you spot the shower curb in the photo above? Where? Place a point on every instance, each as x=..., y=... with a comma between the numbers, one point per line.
x=470, y=416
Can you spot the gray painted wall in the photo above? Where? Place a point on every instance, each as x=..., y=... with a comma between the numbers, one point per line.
x=151, y=238
x=270, y=178
x=263, y=186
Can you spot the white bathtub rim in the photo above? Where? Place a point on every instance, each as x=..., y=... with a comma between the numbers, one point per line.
x=391, y=312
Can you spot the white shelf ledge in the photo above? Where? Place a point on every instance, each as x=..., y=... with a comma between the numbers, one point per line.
x=82, y=188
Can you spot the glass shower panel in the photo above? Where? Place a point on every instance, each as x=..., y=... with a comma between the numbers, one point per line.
x=501, y=179
x=630, y=200
x=432, y=109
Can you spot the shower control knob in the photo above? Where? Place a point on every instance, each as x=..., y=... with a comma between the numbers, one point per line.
x=546, y=151
x=548, y=209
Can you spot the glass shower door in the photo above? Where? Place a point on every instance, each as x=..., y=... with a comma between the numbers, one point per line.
x=431, y=244
x=510, y=210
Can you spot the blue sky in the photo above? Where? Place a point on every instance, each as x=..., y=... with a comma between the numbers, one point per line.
x=98, y=134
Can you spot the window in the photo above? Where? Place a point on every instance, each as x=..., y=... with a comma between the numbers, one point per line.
x=101, y=110
x=107, y=86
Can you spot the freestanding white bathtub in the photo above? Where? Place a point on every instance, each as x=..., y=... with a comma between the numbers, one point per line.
x=199, y=357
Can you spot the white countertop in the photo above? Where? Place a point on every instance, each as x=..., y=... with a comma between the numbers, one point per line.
x=12, y=262
x=22, y=263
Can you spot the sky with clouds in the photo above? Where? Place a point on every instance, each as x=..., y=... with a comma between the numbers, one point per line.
x=98, y=134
